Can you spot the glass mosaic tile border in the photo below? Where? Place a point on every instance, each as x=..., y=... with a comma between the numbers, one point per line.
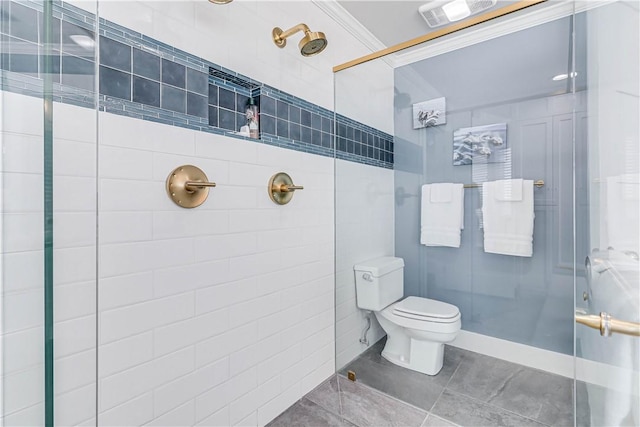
x=146, y=79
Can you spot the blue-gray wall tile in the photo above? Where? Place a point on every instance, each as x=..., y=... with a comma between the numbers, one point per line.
x=213, y=95
x=213, y=116
x=267, y=124
x=282, y=128
x=327, y=125
x=294, y=114
x=173, y=73
x=55, y=30
x=23, y=22
x=226, y=99
x=327, y=140
x=305, y=118
x=197, y=81
x=78, y=72
x=316, y=121
x=69, y=45
x=146, y=91
x=241, y=103
x=146, y=64
x=241, y=120
x=115, y=83
x=357, y=135
x=115, y=54
x=173, y=99
x=268, y=105
x=227, y=119
x=316, y=137
x=294, y=131
x=305, y=134
x=19, y=56
x=196, y=105
x=351, y=147
x=282, y=110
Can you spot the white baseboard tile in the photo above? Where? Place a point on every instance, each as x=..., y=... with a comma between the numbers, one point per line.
x=526, y=355
x=589, y=371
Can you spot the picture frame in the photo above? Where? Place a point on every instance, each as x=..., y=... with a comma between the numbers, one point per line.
x=488, y=142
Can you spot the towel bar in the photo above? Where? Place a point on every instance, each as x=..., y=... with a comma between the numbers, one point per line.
x=538, y=183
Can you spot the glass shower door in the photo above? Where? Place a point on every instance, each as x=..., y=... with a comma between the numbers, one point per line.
x=607, y=367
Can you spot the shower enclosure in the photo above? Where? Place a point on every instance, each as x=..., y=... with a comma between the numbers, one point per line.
x=578, y=133
x=544, y=82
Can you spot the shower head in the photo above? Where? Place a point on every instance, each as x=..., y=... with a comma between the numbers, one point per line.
x=220, y=1
x=312, y=43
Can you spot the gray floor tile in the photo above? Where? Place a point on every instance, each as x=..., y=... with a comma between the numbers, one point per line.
x=482, y=377
x=433, y=421
x=373, y=352
x=601, y=406
x=409, y=386
x=366, y=407
x=538, y=395
x=583, y=410
x=465, y=411
x=452, y=358
x=326, y=395
x=308, y=414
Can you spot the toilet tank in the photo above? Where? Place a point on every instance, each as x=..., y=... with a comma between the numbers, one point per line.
x=379, y=282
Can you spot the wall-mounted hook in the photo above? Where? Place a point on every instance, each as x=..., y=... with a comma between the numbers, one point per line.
x=188, y=186
x=281, y=188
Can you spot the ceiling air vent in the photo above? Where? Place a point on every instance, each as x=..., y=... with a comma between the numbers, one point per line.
x=441, y=12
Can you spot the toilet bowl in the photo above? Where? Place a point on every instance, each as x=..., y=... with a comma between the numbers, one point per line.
x=416, y=327
x=415, y=340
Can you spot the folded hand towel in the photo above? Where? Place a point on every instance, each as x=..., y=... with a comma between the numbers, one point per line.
x=508, y=224
x=441, y=221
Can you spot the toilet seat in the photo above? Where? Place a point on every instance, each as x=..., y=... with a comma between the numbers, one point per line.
x=426, y=310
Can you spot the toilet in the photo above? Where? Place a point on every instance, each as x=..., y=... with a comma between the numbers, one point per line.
x=416, y=328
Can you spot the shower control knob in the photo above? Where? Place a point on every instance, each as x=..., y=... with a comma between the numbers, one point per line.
x=585, y=296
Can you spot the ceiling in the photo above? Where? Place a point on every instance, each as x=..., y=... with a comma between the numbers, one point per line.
x=395, y=21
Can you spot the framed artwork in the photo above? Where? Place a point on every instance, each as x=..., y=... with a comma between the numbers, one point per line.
x=488, y=142
x=429, y=113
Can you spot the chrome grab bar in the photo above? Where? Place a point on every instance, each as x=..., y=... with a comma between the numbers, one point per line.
x=607, y=324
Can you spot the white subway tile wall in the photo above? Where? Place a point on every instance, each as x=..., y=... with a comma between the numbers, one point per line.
x=364, y=230
x=205, y=280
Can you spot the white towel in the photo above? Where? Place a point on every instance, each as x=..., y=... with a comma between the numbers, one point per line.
x=508, y=224
x=623, y=212
x=508, y=190
x=442, y=215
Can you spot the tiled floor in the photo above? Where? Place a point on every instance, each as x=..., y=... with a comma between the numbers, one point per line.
x=470, y=390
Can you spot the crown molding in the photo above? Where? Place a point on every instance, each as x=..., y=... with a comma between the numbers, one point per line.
x=347, y=21
x=505, y=25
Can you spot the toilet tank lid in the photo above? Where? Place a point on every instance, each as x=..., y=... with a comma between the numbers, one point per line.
x=380, y=266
